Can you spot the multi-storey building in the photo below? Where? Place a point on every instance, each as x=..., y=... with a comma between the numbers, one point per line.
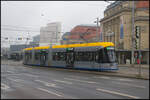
x=50, y=34
x=117, y=28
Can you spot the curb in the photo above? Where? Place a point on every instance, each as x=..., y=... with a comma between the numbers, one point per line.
x=137, y=66
x=98, y=73
x=126, y=76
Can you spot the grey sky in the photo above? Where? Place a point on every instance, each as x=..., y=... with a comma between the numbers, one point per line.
x=28, y=14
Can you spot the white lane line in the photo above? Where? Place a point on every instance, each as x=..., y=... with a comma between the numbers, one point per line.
x=117, y=93
x=10, y=71
x=79, y=80
x=4, y=86
x=123, y=79
x=63, y=81
x=16, y=80
x=47, y=83
x=79, y=77
x=30, y=75
x=10, y=74
x=133, y=85
x=49, y=92
x=14, y=77
x=104, y=77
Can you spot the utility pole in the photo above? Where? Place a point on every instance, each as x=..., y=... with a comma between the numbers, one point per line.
x=56, y=33
x=97, y=21
x=140, y=55
x=132, y=33
x=138, y=46
x=27, y=40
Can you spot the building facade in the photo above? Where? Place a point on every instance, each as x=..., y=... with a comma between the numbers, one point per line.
x=84, y=33
x=117, y=28
x=50, y=34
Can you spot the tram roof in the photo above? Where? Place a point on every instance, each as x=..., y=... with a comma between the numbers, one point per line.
x=104, y=44
x=42, y=47
x=37, y=48
x=28, y=49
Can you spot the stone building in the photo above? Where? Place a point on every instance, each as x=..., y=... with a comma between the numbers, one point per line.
x=117, y=28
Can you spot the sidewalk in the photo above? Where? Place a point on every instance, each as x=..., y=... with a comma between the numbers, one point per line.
x=135, y=65
x=128, y=71
x=124, y=70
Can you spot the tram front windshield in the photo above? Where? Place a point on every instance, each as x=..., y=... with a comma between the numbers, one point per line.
x=111, y=54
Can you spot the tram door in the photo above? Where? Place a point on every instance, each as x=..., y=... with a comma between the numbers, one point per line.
x=43, y=58
x=70, y=57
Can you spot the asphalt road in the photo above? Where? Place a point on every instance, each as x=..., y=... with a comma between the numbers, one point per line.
x=33, y=82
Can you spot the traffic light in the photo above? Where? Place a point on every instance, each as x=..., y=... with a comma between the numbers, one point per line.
x=136, y=43
x=137, y=31
x=137, y=35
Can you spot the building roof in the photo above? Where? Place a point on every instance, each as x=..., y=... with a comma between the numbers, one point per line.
x=142, y=4
x=87, y=25
x=113, y=5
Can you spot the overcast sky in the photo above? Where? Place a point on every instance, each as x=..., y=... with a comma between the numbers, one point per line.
x=19, y=16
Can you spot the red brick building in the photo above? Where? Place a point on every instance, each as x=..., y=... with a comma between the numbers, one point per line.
x=142, y=4
x=84, y=33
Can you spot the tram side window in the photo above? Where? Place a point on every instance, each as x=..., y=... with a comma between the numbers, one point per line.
x=36, y=56
x=100, y=55
x=105, y=57
x=28, y=55
x=59, y=56
x=84, y=56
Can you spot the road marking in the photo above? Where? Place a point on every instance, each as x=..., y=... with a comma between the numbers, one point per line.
x=130, y=85
x=16, y=80
x=63, y=81
x=123, y=79
x=79, y=77
x=4, y=86
x=14, y=76
x=104, y=77
x=49, y=92
x=10, y=74
x=47, y=84
x=117, y=93
x=10, y=71
x=30, y=75
x=79, y=80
